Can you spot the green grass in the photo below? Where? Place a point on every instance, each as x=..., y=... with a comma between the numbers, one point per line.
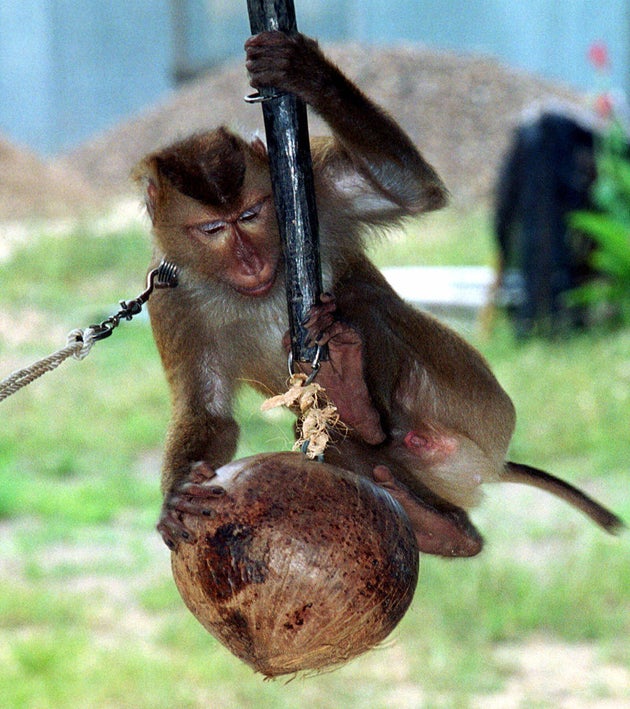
x=89, y=615
x=447, y=238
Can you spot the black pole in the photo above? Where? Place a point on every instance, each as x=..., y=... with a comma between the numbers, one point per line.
x=290, y=164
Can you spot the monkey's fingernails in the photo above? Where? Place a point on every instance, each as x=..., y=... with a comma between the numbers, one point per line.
x=188, y=537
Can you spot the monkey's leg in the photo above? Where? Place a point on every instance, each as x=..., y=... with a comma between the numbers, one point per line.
x=442, y=532
x=193, y=496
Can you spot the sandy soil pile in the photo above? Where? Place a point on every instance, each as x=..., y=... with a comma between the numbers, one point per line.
x=459, y=109
x=32, y=188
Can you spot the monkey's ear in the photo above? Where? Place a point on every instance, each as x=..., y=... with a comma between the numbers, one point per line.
x=145, y=175
x=150, y=198
x=259, y=148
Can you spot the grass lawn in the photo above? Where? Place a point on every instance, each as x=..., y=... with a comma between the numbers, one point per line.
x=89, y=614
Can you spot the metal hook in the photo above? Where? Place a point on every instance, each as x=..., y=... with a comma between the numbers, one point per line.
x=261, y=98
x=304, y=450
x=164, y=276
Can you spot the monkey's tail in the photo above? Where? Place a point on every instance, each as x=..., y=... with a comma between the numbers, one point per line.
x=525, y=474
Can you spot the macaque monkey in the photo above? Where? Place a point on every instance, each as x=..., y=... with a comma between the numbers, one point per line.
x=427, y=419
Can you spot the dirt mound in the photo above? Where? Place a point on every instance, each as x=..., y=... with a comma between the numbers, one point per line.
x=458, y=108
x=32, y=189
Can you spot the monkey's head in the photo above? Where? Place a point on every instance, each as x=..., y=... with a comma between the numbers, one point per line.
x=210, y=200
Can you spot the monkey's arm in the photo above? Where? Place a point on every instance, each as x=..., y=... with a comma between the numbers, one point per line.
x=202, y=429
x=198, y=441
x=195, y=434
x=369, y=141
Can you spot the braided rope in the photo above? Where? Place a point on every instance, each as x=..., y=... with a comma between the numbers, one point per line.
x=79, y=344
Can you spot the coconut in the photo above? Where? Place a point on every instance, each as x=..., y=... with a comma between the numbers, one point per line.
x=299, y=565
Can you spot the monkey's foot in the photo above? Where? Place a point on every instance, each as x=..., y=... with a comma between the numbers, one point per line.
x=193, y=496
x=446, y=532
x=346, y=389
x=342, y=375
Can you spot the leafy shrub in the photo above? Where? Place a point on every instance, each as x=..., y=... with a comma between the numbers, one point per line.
x=609, y=227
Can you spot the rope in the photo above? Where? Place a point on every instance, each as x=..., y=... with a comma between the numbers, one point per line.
x=317, y=415
x=79, y=344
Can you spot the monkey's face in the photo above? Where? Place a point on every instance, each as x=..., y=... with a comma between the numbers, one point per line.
x=236, y=245
x=239, y=247
x=232, y=240
x=210, y=200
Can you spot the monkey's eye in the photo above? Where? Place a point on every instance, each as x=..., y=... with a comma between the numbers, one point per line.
x=211, y=228
x=251, y=213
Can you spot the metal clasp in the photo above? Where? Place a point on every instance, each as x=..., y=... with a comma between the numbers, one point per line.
x=164, y=276
x=315, y=365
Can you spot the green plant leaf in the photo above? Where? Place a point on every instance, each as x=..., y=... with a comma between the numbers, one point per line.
x=612, y=236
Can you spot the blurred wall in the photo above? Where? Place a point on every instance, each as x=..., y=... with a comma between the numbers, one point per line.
x=548, y=37
x=69, y=69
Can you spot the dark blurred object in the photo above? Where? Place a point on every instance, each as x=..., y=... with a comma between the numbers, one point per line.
x=547, y=173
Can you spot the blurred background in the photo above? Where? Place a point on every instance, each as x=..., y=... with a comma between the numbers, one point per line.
x=91, y=87
x=521, y=108
x=69, y=70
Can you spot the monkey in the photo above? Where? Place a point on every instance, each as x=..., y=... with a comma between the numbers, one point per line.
x=427, y=420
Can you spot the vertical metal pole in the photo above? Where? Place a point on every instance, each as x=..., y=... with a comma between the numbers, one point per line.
x=290, y=164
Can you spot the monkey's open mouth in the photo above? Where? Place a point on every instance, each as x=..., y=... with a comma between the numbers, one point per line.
x=259, y=290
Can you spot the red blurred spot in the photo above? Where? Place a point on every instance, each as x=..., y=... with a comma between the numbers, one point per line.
x=603, y=106
x=598, y=55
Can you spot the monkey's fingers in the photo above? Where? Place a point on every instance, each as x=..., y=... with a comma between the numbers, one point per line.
x=441, y=532
x=191, y=498
x=323, y=332
x=192, y=493
x=172, y=528
x=200, y=472
x=321, y=319
x=282, y=61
